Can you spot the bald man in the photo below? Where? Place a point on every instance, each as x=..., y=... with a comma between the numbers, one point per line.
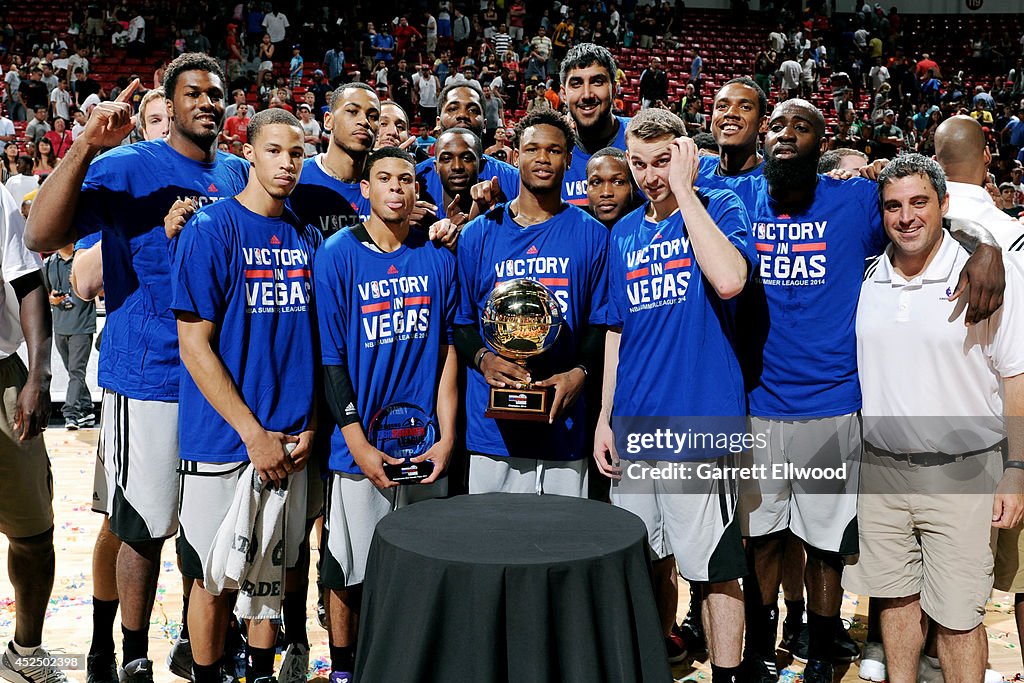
x=961, y=151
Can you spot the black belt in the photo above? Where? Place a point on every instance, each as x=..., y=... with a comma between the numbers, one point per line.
x=932, y=459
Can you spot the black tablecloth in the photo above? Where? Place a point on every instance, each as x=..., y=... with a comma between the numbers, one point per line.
x=509, y=587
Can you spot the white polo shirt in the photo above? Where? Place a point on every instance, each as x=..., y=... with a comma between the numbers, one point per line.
x=972, y=202
x=929, y=383
x=15, y=260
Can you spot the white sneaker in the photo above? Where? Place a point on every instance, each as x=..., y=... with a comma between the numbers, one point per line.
x=872, y=663
x=294, y=664
x=993, y=676
x=34, y=668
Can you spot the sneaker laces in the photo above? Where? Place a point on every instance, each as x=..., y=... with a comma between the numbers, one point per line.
x=43, y=673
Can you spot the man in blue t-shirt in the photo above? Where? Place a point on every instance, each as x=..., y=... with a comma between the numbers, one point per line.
x=461, y=106
x=328, y=195
x=539, y=237
x=738, y=115
x=610, y=189
x=674, y=265
x=812, y=234
x=588, y=90
x=126, y=193
x=241, y=290
x=386, y=299
x=458, y=155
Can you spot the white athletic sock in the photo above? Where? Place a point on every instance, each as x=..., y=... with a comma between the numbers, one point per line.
x=23, y=651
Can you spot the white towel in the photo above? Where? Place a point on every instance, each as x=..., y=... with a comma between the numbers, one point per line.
x=248, y=552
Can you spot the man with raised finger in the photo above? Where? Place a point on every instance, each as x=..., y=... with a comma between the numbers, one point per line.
x=386, y=298
x=126, y=193
x=940, y=469
x=461, y=106
x=540, y=237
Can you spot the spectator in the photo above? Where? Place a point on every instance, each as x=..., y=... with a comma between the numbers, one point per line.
x=310, y=130
x=501, y=41
x=79, y=60
x=33, y=91
x=981, y=114
x=276, y=24
x=295, y=67
x=334, y=63
x=45, y=159
x=238, y=97
x=321, y=91
x=926, y=68
x=7, y=131
x=404, y=34
x=808, y=75
x=236, y=127
x=460, y=29
x=430, y=28
x=137, y=35
x=9, y=163
x=540, y=52
x=61, y=100
x=693, y=119
x=60, y=137
x=384, y=45
x=653, y=85
x=24, y=181
x=516, y=19
x=74, y=324
x=790, y=74
x=234, y=59
x=381, y=83
x=266, y=57
x=425, y=141
x=493, y=115
x=425, y=90
x=84, y=87
x=49, y=78
x=38, y=127
x=986, y=100
x=80, y=120
x=564, y=34
x=696, y=69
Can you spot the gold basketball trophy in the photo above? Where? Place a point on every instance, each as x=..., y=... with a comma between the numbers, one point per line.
x=521, y=319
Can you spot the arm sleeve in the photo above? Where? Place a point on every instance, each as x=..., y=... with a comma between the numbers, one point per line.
x=467, y=342
x=341, y=395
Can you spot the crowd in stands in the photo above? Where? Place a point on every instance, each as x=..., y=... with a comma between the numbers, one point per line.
x=883, y=90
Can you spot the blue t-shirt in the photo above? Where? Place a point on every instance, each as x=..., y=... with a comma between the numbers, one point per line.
x=574, y=185
x=88, y=241
x=251, y=276
x=797, y=334
x=568, y=254
x=676, y=354
x=384, y=317
x=430, y=181
x=710, y=166
x=325, y=202
x=126, y=194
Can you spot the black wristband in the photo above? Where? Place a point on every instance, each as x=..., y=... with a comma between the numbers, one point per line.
x=1013, y=464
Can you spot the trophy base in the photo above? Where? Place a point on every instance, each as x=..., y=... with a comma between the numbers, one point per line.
x=520, y=404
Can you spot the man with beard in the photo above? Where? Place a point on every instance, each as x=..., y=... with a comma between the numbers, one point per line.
x=457, y=156
x=588, y=84
x=462, y=107
x=539, y=236
x=126, y=193
x=327, y=194
x=393, y=128
x=798, y=351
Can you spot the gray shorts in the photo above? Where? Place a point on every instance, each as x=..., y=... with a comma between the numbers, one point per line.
x=822, y=512
x=207, y=490
x=690, y=516
x=140, y=457
x=490, y=474
x=354, y=506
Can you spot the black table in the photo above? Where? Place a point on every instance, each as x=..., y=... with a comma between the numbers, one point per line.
x=509, y=587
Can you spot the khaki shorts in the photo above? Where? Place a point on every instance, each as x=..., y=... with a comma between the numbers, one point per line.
x=26, y=483
x=926, y=530
x=1009, y=560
